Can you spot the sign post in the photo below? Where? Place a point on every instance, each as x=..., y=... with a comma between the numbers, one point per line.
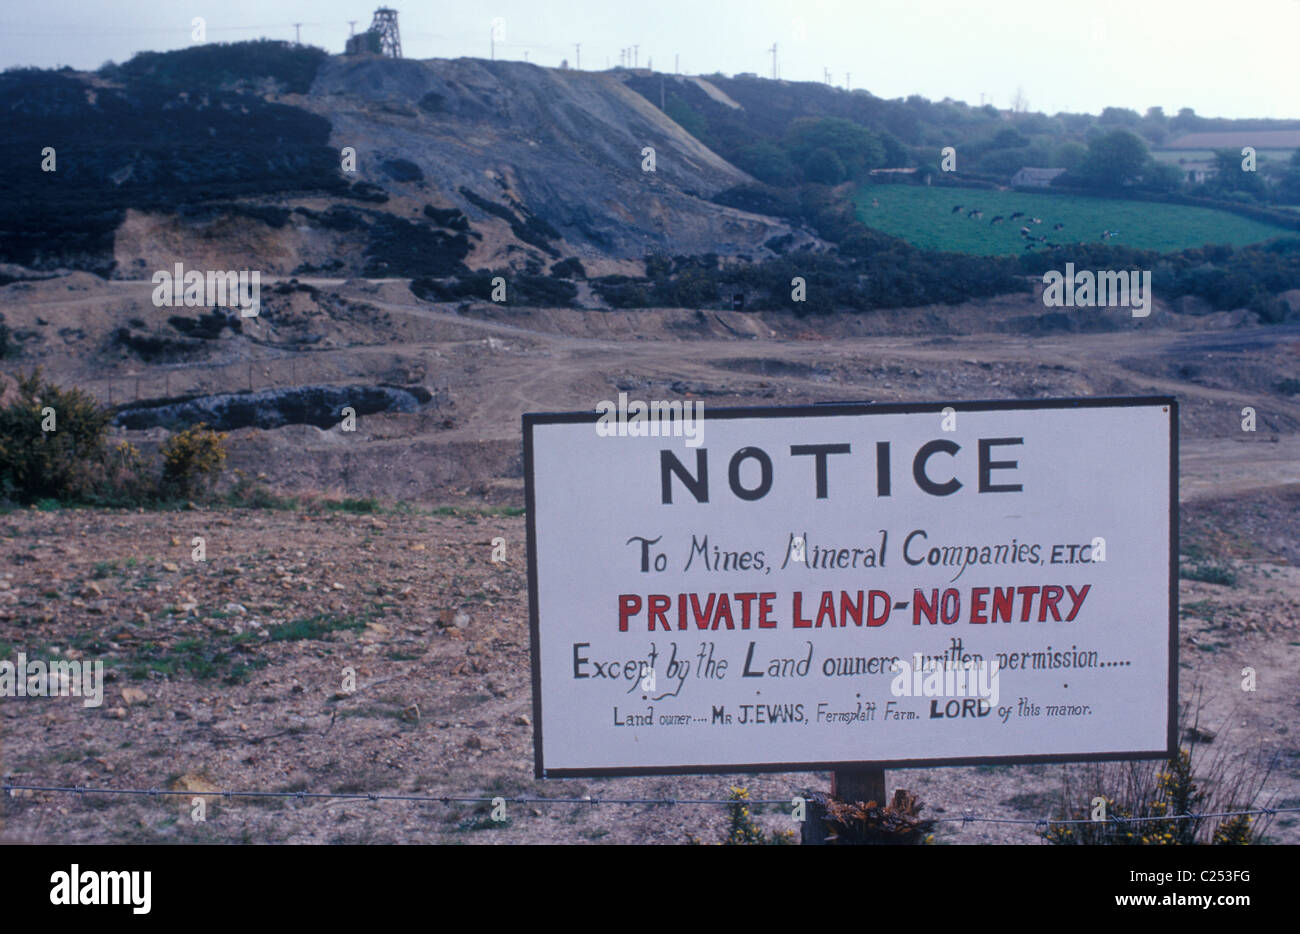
x=852, y=587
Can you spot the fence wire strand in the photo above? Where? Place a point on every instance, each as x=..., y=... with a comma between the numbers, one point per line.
x=1040, y=823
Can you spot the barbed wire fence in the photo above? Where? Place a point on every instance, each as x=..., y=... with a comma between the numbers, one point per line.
x=1040, y=824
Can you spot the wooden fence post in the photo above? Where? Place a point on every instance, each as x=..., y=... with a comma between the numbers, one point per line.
x=865, y=785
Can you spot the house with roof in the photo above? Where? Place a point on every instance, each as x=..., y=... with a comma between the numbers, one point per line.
x=1034, y=178
x=1193, y=153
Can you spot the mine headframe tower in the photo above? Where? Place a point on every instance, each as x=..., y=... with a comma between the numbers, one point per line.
x=385, y=25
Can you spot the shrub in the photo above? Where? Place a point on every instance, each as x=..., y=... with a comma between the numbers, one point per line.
x=62, y=463
x=8, y=348
x=1142, y=799
x=193, y=459
x=741, y=829
x=1209, y=574
x=128, y=479
x=857, y=823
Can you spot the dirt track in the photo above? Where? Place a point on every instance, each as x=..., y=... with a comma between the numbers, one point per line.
x=440, y=707
x=497, y=363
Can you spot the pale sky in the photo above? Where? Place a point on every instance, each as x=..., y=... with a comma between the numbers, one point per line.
x=1232, y=60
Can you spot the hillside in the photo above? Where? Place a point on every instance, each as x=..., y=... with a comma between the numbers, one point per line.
x=459, y=164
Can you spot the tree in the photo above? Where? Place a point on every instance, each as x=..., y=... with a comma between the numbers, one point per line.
x=52, y=441
x=1069, y=156
x=1186, y=120
x=896, y=155
x=1004, y=161
x=824, y=167
x=685, y=116
x=1163, y=176
x=1229, y=178
x=1289, y=186
x=767, y=163
x=1119, y=116
x=1008, y=138
x=856, y=148
x=1115, y=159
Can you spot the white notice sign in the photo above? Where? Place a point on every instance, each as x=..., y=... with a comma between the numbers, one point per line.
x=831, y=586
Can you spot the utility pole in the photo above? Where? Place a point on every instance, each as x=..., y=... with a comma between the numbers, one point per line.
x=577, y=50
x=677, y=70
x=352, y=27
x=773, y=51
x=634, y=48
x=492, y=39
x=297, y=33
x=847, y=86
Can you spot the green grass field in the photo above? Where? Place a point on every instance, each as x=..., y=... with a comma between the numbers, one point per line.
x=923, y=216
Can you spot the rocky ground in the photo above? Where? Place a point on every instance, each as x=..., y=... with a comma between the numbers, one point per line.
x=228, y=674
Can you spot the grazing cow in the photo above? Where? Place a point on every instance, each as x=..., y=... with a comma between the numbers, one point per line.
x=1057, y=226
x=956, y=208
x=1017, y=214
x=1029, y=246
x=1035, y=220
x=1042, y=239
x=875, y=203
x=1024, y=231
x=996, y=219
x=1105, y=235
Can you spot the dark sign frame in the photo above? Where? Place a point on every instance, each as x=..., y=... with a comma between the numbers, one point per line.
x=532, y=419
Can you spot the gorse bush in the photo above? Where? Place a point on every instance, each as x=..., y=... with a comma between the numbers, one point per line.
x=193, y=459
x=1145, y=802
x=54, y=449
x=741, y=828
x=52, y=442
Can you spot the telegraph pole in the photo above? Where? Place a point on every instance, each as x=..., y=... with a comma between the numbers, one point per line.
x=634, y=48
x=352, y=27
x=847, y=85
x=577, y=50
x=773, y=51
x=677, y=70
x=826, y=72
x=297, y=33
